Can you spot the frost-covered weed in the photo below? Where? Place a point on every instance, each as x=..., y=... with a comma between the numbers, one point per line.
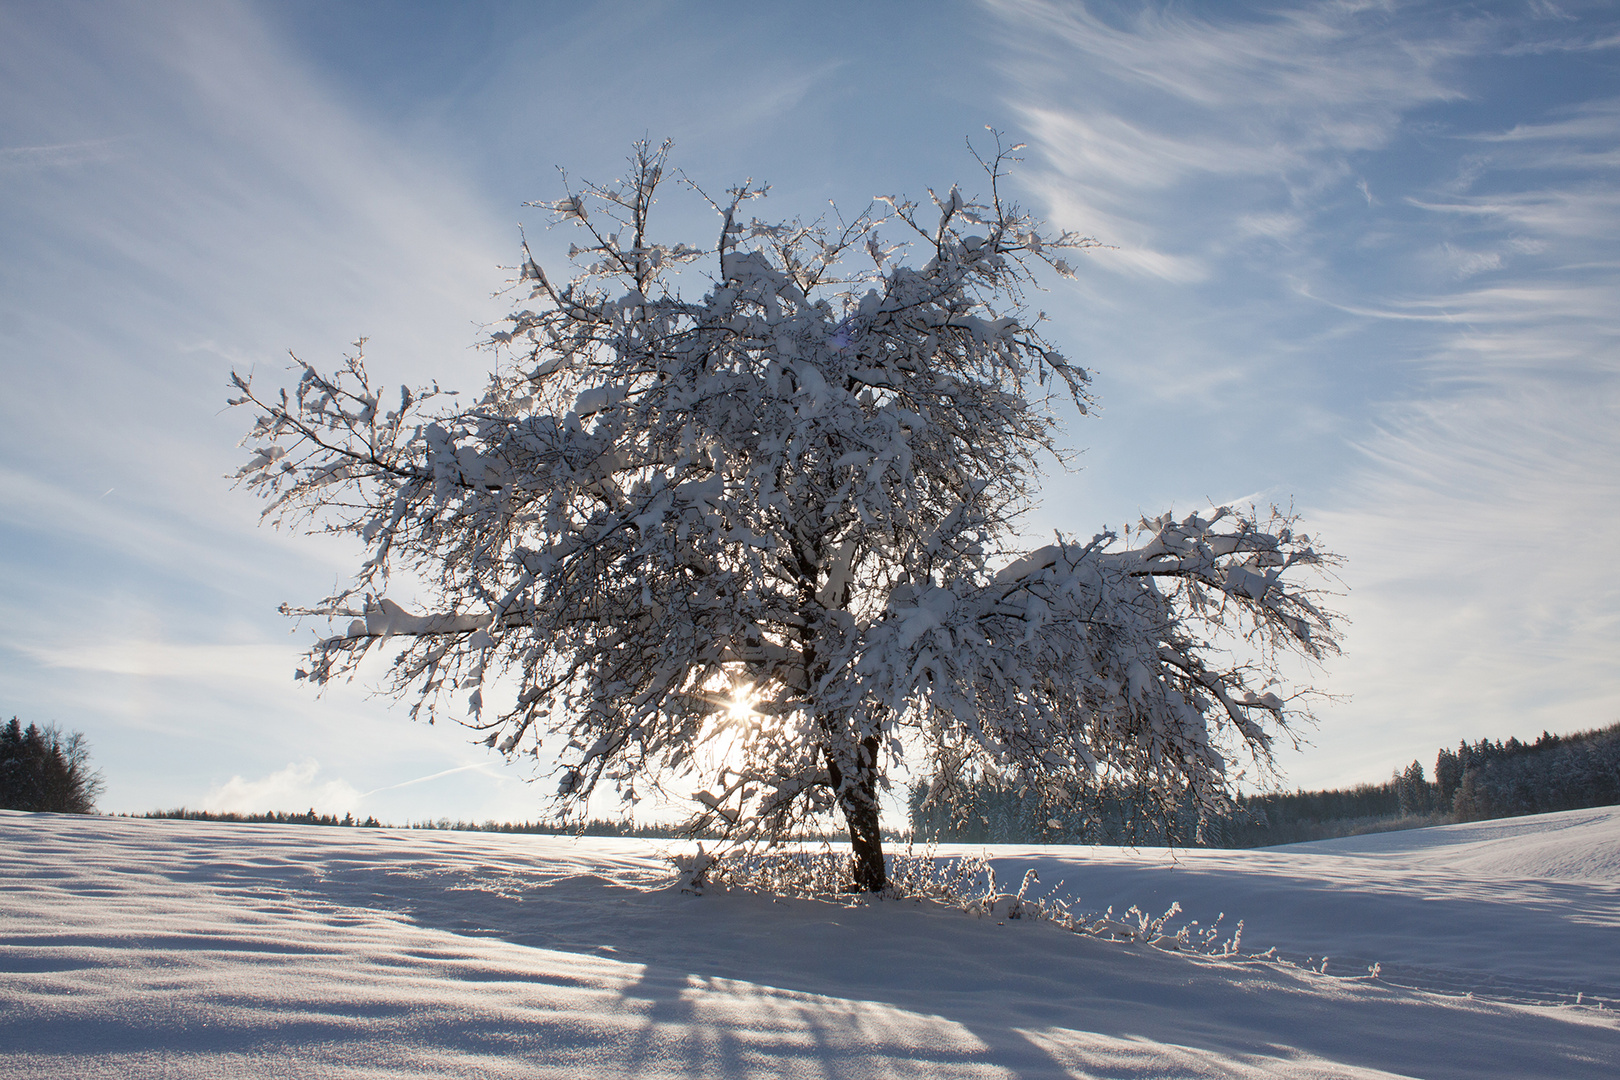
x=966, y=882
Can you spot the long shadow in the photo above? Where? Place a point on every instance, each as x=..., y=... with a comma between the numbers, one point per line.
x=729, y=983
x=1416, y=912
x=930, y=962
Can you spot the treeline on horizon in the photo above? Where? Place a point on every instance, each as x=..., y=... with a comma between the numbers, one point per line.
x=592, y=827
x=1475, y=782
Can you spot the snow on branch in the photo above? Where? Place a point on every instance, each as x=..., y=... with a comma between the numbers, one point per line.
x=797, y=490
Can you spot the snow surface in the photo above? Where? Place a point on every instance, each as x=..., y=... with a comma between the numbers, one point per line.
x=132, y=948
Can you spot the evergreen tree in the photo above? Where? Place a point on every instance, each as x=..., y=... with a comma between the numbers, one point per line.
x=42, y=770
x=1413, y=790
x=1447, y=776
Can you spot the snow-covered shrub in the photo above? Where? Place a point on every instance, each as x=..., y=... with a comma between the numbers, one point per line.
x=966, y=882
x=811, y=870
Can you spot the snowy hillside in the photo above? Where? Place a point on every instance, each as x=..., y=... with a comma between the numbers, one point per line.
x=186, y=949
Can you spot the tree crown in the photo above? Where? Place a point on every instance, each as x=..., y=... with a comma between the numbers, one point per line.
x=766, y=536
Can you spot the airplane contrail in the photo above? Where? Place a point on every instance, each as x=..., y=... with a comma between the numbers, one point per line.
x=424, y=779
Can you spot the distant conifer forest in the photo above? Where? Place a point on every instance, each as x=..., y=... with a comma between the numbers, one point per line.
x=1472, y=783
x=544, y=827
x=1476, y=781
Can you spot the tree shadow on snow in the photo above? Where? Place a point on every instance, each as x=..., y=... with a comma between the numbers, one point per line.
x=738, y=979
x=732, y=984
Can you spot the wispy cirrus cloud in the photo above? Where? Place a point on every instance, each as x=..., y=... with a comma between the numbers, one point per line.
x=1408, y=289
x=1592, y=120
x=60, y=155
x=1155, y=99
x=182, y=196
x=1583, y=211
x=1297, y=58
x=1477, y=611
x=1481, y=493
x=1343, y=242
x=264, y=664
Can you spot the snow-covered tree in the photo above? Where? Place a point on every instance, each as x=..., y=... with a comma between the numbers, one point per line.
x=762, y=538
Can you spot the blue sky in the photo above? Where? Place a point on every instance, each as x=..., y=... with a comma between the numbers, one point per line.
x=1365, y=259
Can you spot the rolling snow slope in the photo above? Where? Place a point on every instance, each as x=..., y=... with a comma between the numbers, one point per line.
x=188, y=949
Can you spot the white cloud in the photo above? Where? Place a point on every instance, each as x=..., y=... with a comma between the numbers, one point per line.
x=1480, y=604
x=200, y=664
x=1462, y=263
x=1078, y=209
x=185, y=193
x=1113, y=152
x=1570, y=214
x=1309, y=58
x=784, y=92
x=197, y=535
x=1578, y=44
x=1176, y=137
x=481, y=766
x=1249, y=94
x=1591, y=120
x=1275, y=225
x=222, y=205
x=292, y=789
x=1234, y=157
x=59, y=156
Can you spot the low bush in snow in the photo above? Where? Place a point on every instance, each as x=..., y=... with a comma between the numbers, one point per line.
x=968, y=882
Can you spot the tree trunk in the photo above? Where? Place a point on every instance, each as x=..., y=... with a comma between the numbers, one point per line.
x=857, y=797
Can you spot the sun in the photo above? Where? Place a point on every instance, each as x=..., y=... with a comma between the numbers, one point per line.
x=740, y=705
x=726, y=732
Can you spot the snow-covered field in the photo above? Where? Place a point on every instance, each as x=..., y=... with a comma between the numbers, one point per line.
x=133, y=948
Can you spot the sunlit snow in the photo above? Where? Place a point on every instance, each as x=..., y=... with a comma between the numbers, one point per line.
x=135, y=948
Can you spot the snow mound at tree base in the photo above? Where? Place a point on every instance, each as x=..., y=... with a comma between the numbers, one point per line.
x=196, y=949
